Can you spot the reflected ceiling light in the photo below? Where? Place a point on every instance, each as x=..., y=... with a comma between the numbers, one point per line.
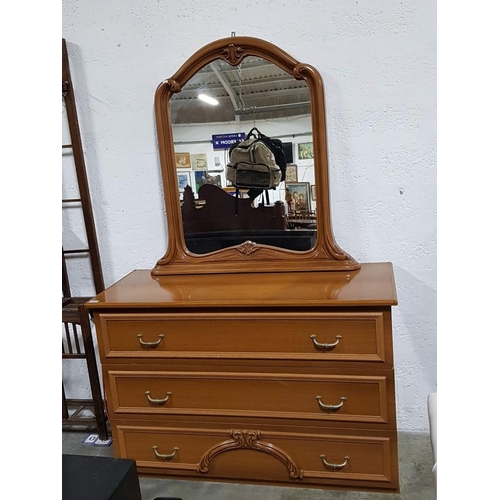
x=209, y=100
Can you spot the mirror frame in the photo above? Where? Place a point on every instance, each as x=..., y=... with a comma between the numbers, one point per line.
x=248, y=256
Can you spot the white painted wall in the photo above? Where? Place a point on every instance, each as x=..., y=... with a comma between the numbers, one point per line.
x=378, y=63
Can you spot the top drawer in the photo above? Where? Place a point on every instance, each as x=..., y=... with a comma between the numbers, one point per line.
x=333, y=336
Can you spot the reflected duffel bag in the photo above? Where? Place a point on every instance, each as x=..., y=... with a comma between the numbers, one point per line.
x=257, y=162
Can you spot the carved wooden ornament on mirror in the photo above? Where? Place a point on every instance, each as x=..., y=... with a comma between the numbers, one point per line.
x=248, y=256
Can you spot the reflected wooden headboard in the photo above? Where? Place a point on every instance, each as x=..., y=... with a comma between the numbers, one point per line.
x=216, y=210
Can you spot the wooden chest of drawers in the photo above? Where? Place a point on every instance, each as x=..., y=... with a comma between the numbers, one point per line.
x=283, y=379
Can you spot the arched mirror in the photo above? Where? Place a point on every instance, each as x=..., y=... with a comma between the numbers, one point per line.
x=217, y=108
x=229, y=91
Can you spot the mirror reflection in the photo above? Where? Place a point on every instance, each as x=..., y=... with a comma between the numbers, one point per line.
x=264, y=190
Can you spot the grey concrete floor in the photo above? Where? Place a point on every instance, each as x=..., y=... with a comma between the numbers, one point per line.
x=415, y=464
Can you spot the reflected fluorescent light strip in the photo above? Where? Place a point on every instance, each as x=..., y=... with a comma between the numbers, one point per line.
x=208, y=100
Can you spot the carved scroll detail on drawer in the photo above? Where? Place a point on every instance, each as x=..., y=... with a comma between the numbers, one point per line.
x=249, y=439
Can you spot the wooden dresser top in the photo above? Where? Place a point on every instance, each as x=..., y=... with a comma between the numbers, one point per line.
x=372, y=284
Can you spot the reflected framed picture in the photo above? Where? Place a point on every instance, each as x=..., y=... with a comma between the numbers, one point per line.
x=291, y=173
x=313, y=192
x=182, y=160
x=183, y=180
x=200, y=178
x=199, y=162
x=306, y=151
x=299, y=196
x=214, y=178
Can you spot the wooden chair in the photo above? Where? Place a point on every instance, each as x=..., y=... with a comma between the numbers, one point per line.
x=79, y=344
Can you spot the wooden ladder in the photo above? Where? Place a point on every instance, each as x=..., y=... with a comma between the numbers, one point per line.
x=78, y=340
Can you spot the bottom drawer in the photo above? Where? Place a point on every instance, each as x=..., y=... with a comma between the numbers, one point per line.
x=341, y=459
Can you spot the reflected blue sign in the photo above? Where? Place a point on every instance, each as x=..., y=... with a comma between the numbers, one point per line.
x=225, y=141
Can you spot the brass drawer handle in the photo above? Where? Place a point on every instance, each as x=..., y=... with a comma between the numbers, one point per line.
x=157, y=401
x=165, y=457
x=150, y=344
x=331, y=407
x=335, y=466
x=325, y=347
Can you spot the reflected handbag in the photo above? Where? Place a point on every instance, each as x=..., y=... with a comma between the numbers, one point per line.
x=258, y=162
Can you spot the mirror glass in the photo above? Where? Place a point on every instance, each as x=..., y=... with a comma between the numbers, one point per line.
x=217, y=107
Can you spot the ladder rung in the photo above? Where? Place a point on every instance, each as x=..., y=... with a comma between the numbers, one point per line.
x=71, y=200
x=67, y=146
x=81, y=250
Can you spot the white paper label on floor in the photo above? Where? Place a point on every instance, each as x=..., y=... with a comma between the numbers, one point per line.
x=93, y=440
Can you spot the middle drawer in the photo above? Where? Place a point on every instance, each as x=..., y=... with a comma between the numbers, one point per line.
x=348, y=398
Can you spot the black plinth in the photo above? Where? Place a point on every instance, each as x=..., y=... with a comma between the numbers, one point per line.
x=99, y=478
